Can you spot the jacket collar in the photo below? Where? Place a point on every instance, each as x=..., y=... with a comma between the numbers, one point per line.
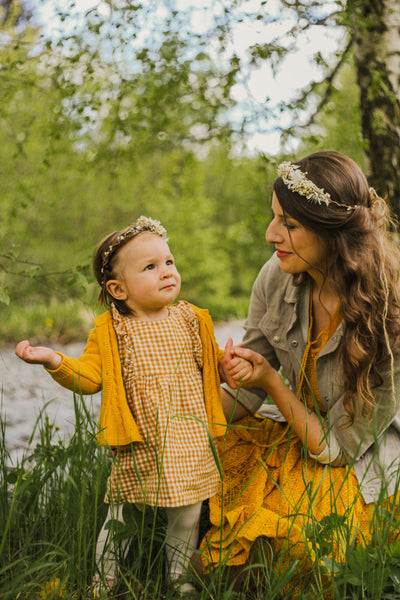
x=298, y=296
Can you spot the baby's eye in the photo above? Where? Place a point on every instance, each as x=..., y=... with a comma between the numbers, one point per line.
x=169, y=262
x=149, y=267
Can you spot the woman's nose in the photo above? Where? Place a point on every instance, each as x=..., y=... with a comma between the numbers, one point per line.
x=272, y=235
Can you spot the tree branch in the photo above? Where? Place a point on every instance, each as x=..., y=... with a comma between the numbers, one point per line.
x=28, y=263
x=328, y=91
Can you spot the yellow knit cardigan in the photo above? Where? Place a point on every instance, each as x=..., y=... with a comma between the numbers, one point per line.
x=99, y=367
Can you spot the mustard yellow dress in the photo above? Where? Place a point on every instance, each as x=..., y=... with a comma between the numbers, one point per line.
x=161, y=367
x=272, y=488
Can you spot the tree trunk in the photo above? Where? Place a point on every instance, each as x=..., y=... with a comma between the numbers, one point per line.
x=377, y=53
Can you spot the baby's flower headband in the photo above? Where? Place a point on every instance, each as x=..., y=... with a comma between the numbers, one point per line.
x=141, y=224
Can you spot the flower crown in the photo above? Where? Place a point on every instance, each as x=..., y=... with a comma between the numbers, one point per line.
x=141, y=224
x=297, y=181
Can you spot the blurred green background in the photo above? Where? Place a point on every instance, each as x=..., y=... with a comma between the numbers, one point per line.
x=96, y=131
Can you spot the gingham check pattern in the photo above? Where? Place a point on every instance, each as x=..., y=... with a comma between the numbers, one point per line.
x=161, y=366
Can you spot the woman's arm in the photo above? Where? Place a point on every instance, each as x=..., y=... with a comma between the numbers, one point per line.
x=252, y=397
x=233, y=410
x=367, y=427
x=306, y=424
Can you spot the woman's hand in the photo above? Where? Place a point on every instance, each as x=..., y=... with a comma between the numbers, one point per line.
x=241, y=366
x=261, y=372
x=230, y=363
x=307, y=427
x=39, y=355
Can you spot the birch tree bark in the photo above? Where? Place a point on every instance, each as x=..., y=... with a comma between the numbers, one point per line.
x=377, y=52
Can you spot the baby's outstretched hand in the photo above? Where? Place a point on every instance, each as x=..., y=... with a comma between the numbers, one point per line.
x=39, y=355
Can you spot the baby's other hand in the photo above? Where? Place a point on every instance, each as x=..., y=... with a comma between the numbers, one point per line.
x=39, y=355
x=234, y=369
x=239, y=368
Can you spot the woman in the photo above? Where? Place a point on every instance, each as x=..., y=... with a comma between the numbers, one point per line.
x=325, y=309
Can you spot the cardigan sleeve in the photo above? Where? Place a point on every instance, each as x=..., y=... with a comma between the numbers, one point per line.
x=83, y=374
x=211, y=380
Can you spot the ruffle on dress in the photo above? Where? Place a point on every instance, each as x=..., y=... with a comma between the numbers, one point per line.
x=161, y=366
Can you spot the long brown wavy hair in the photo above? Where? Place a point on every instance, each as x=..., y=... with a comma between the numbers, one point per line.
x=364, y=268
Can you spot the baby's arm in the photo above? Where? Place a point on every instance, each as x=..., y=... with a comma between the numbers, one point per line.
x=40, y=355
x=84, y=373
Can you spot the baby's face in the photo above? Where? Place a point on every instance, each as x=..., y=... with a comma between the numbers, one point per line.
x=148, y=275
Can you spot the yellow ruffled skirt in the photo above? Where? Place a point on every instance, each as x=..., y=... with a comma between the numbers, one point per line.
x=272, y=489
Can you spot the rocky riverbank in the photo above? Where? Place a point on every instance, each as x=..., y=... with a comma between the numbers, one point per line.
x=28, y=389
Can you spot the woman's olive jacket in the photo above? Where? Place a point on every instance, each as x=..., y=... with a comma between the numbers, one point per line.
x=277, y=327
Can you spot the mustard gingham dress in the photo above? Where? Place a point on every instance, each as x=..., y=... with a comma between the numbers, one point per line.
x=273, y=489
x=161, y=368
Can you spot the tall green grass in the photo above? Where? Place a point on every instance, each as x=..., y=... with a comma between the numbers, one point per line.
x=51, y=509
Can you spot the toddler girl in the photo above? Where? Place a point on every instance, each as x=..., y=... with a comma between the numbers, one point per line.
x=157, y=364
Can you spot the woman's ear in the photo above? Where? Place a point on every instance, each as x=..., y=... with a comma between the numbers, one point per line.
x=116, y=289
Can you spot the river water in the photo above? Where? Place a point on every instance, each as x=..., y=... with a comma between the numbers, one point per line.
x=27, y=390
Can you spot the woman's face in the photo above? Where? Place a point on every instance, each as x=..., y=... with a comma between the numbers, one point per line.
x=297, y=248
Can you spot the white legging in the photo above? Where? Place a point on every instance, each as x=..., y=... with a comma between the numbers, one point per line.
x=181, y=540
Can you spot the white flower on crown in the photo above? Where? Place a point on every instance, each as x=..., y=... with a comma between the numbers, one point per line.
x=141, y=224
x=297, y=181
x=148, y=224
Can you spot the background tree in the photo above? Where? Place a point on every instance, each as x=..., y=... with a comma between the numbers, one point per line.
x=128, y=109
x=370, y=36
x=376, y=43
x=95, y=132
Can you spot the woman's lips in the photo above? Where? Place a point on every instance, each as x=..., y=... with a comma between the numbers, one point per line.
x=282, y=253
